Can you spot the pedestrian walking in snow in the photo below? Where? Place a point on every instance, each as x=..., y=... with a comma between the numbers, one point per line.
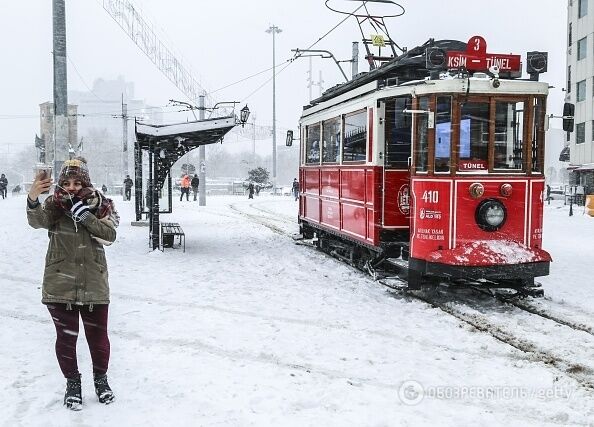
x=80, y=221
x=195, y=183
x=250, y=190
x=295, y=188
x=185, y=187
x=104, y=189
x=128, y=188
x=3, y=185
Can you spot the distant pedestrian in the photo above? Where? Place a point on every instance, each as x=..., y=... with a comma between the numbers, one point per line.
x=251, y=190
x=3, y=185
x=16, y=190
x=549, y=194
x=80, y=221
x=128, y=188
x=185, y=187
x=104, y=189
x=295, y=188
x=195, y=183
x=257, y=189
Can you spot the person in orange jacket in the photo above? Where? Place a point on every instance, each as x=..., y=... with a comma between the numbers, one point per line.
x=185, y=187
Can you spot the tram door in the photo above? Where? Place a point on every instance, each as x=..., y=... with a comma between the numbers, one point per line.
x=398, y=139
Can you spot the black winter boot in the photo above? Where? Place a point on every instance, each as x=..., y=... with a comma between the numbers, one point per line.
x=73, y=396
x=103, y=390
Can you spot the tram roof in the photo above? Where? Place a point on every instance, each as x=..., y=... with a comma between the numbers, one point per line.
x=407, y=67
x=189, y=134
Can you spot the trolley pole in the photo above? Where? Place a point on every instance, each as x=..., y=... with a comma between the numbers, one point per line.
x=201, y=160
x=274, y=30
x=60, y=85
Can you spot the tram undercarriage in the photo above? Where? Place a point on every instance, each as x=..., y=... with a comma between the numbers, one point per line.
x=393, y=267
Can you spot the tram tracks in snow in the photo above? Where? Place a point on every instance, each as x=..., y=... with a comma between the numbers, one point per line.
x=563, y=359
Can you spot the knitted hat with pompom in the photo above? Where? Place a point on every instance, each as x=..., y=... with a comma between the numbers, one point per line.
x=75, y=168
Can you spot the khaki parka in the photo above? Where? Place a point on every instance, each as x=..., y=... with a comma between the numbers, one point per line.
x=75, y=264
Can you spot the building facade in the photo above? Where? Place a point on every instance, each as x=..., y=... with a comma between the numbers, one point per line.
x=580, y=90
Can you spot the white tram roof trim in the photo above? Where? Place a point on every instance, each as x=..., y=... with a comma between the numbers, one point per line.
x=367, y=93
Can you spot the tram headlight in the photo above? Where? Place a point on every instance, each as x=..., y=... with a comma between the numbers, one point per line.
x=476, y=190
x=490, y=215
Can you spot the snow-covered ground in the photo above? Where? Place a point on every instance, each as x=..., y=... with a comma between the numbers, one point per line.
x=247, y=328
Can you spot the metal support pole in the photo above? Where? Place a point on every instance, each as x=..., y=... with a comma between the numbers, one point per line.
x=355, y=63
x=274, y=30
x=124, y=138
x=201, y=159
x=60, y=85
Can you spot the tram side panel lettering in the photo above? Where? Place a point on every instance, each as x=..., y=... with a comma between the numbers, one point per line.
x=431, y=223
x=537, y=206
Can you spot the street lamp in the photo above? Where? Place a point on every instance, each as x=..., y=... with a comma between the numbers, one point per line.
x=274, y=30
x=243, y=115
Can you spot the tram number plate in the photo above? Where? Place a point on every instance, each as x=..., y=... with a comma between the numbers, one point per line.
x=430, y=196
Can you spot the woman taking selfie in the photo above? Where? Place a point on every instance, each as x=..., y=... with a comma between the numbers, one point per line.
x=79, y=220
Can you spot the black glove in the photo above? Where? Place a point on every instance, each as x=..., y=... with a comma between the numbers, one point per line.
x=79, y=211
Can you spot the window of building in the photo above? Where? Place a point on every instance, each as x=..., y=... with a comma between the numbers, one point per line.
x=312, y=144
x=581, y=91
x=580, y=133
x=569, y=35
x=569, y=79
x=509, y=131
x=443, y=134
x=355, y=137
x=398, y=132
x=330, y=140
x=582, y=48
x=582, y=8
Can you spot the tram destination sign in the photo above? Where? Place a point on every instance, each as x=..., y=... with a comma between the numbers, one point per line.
x=476, y=58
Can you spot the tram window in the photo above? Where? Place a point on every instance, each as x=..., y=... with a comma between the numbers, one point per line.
x=330, y=140
x=538, y=135
x=422, y=141
x=355, y=137
x=312, y=144
x=399, y=128
x=443, y=134
x=474, y=136
x=509, y=131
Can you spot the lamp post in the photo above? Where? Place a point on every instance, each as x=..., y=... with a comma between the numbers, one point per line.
x=274, y=30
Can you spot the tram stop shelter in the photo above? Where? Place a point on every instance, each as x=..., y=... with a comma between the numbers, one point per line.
x=165, y=145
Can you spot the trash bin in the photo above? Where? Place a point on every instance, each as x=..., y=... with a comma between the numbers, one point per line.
x=590, y=204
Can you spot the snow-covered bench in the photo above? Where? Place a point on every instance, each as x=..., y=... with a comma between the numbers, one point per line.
x=168, y=232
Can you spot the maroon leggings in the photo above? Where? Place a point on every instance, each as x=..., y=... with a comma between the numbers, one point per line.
x=95, y=324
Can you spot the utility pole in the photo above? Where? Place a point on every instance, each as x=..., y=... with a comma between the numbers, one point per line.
x=124, y=138
x=60, y=85
x=274, y=30
x=355, y=60
x=320, y=83
x=201, y=159
x=254, y=141
x=310, y=80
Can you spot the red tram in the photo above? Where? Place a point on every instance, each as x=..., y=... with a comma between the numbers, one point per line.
x=431, y=164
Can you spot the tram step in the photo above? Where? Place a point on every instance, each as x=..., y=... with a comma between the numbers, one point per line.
x=398, y=262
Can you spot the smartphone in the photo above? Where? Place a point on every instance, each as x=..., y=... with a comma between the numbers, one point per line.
x=43, y=172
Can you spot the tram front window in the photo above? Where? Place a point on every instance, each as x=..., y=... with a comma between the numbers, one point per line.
x=474, y=137
x=443, y=134
x=509, y=130
x=422, y=145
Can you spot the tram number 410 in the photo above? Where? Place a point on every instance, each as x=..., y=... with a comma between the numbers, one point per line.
x=431, y=196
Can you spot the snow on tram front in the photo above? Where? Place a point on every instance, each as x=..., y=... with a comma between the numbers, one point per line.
x=431, y=166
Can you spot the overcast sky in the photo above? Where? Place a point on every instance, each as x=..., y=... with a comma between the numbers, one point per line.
x=225, y=41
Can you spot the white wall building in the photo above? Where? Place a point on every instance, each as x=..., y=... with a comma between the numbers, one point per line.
x=580, y=88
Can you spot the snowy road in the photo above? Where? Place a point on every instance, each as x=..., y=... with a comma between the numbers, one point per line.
x=247, y=328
